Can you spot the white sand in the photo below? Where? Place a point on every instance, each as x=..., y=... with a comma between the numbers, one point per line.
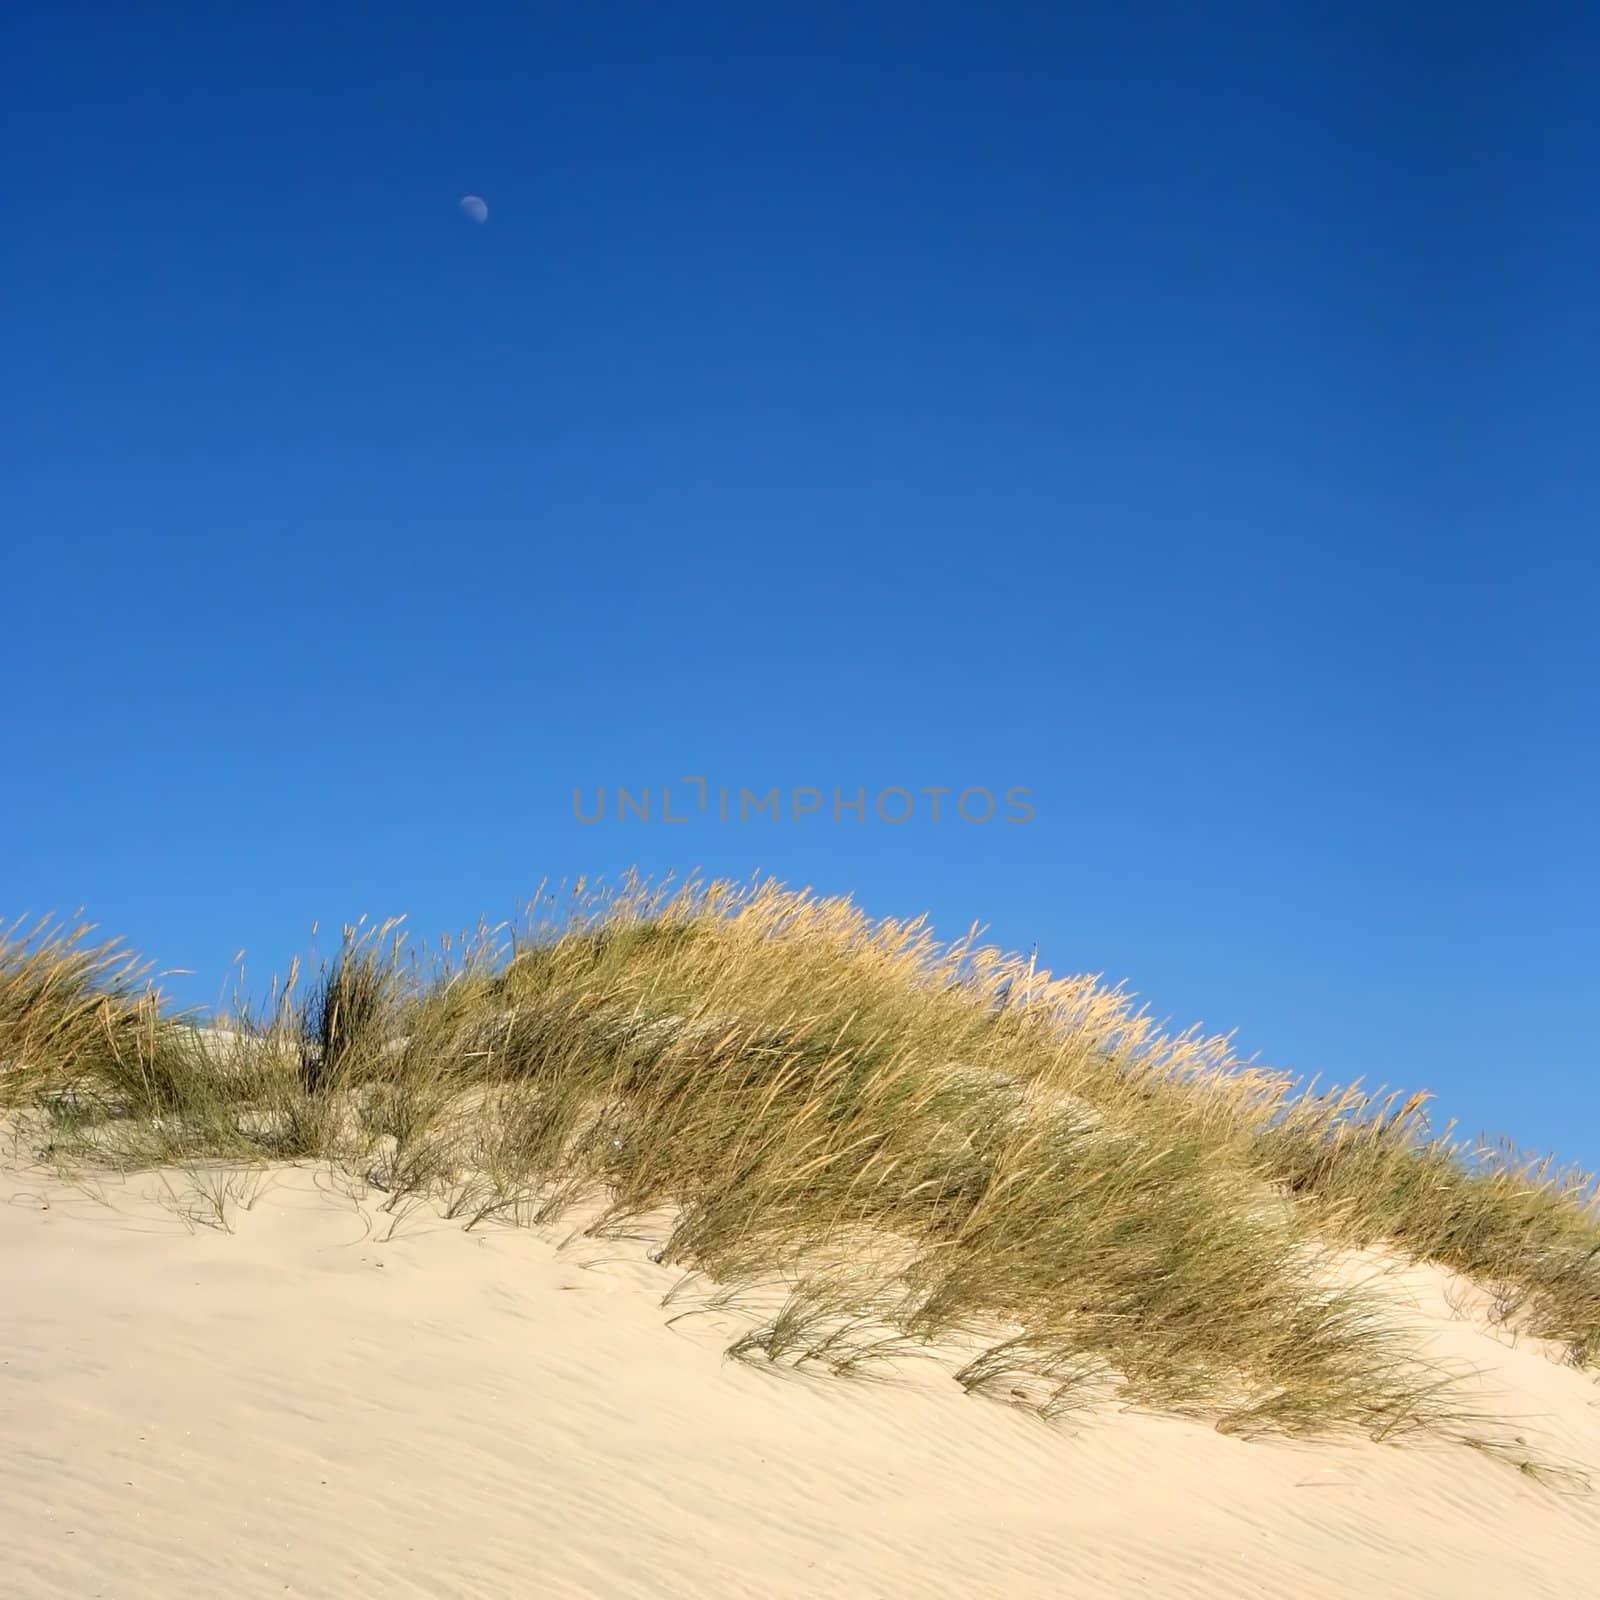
x=295, y=1409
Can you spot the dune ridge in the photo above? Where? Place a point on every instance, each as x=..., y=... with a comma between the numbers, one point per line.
x=824, y=1147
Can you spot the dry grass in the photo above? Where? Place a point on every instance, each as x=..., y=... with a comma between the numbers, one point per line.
x=931, y=1147
x=1523, y=1226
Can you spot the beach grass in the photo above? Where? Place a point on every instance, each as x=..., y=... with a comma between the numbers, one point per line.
x=908, y=1146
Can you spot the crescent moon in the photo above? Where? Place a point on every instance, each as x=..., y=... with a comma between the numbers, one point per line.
x=475, y=208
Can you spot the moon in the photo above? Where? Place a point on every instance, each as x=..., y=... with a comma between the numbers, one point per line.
x=475, y=208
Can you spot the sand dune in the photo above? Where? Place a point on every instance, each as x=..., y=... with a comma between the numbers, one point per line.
x=296, y=1409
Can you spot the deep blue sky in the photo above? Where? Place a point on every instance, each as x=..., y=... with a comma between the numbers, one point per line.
x=1186, y=412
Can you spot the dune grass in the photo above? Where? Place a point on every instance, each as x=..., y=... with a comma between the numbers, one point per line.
x=909, y=1147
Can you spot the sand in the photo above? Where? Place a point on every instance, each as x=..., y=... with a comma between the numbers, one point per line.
x=295, y=1409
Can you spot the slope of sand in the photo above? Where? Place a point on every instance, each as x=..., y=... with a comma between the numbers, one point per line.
x=295, y=1409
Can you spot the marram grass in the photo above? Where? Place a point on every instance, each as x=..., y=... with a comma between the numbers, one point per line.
x=925, y=1146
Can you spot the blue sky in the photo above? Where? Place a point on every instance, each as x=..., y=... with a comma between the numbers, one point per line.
x=1185, y=413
